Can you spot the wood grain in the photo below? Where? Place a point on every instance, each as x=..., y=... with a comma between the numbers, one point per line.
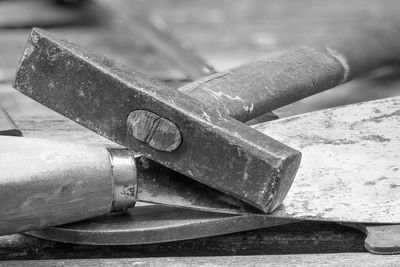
x=334, y=259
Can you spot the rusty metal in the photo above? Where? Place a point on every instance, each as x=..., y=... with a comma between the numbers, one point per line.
x=100, y=94
x=155, y=32
x=350, y=170
x=52, y=183
x=7, y=126
x=170, y=224
x=252, y=89
x=157, y=132
x=347, y=152
x=154, y=224
x=124, y=179
x=381, y=239
x=46, y=183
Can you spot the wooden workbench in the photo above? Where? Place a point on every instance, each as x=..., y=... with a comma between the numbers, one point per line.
x=225, y=33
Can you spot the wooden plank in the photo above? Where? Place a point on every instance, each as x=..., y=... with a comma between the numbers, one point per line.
x=334, y=259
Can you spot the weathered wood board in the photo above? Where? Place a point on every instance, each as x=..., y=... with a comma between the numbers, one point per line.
x=338, y=259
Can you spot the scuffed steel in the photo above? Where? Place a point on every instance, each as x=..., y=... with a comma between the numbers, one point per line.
x=99, y=93
x=160, y=185
x=45, y=183
x=157, y=132
x=381, y=239
x=351, y=162
x=154, y=224
x=7, y=126
x=124, y=178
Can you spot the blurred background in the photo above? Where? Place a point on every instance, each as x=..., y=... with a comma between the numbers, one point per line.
x=158, y=37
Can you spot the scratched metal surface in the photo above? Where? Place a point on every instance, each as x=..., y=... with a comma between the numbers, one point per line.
x=350, y=165
x=152, y=224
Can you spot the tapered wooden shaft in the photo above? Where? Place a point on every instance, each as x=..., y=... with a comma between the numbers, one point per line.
x=250, y=90
x=44, y=183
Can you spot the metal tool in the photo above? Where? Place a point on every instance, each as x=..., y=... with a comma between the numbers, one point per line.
x=7, y=126
x=165, y=224
x=326, y=191
x=351, y=163
x=163, y=124
x=59, y=183
x=339, y=70
x=381, y=239
x=151, y=224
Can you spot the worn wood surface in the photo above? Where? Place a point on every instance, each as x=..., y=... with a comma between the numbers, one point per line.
x=348, y=259
x=334, y=259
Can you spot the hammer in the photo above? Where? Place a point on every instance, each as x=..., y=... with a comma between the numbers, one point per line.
x=196, y=139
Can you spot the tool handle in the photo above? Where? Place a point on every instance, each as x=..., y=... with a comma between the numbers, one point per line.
x=44, y=183
x=250, y=90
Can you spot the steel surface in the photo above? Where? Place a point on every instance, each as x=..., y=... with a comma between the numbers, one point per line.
x=100, y=94
x=7, y=126
x=351, y=162
x=154, y=224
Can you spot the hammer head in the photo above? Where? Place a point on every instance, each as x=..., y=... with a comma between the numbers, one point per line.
x=163, y=124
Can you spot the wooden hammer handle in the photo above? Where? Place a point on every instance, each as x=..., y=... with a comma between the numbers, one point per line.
x=250, y=90
x=44, y=183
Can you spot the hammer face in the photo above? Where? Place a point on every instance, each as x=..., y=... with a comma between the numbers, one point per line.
x=100, y=94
